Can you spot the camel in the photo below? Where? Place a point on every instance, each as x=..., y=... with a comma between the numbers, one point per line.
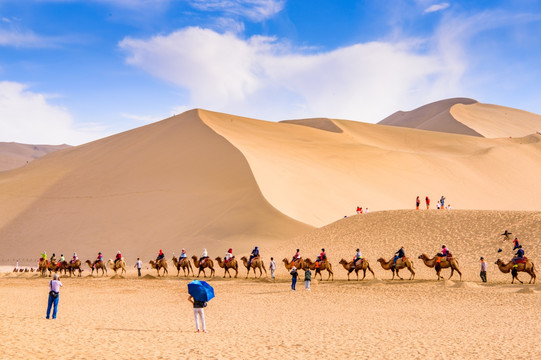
x=360, y=265
x=207, y=264
x=161, y=264
x=43, y=266
x=97, y=265
x=231, y=264
x=450, y=262
x=121, y=264
x=388, y=265
x=527, y=267
x=256, y=263
x=299, y=264
x=75, y=266
x=323, y=265
x=64, y=266
x=184, y=264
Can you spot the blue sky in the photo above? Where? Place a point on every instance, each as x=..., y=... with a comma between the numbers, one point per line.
x=74, y=71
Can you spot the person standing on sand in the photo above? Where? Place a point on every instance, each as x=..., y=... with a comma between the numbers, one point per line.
x=54, y=293
x=138, y=265
x=417, y=203
x=272, y=267
x=294, y=275
x=442, y=202
x=483, y=272
x=199, y=313
x=307, y=278
x=427, y=201
x=506, y=235
x=515, y=244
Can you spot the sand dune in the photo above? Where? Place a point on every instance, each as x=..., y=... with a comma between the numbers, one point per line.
x=14, y=155
x=206, y=179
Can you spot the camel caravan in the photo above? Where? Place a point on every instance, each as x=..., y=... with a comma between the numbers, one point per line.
x=254, y=263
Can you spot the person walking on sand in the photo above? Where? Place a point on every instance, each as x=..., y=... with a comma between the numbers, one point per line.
x=54, y=293
x=515, y=244
x=427, y=201
x=483, y=272
x=138, y=265
x=417, y=203
x=307, y=278
x=294, y=275
x=272, y=267
x=506, y=235
x=198, y=313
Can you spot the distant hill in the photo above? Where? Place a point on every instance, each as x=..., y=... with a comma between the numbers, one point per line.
x=467, y=117
x=14, y=155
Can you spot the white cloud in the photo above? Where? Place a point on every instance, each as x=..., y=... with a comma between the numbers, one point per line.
x=255, y=10
x=27, y=117
x=261, y=77
x=436, y=7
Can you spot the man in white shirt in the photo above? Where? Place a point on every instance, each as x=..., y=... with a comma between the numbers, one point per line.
x=54, y=291
x=272, y=267
x=138, y=265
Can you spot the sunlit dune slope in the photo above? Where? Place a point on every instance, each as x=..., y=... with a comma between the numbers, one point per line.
x=14, y=155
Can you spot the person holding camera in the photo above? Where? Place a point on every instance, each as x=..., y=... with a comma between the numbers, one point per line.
x=54, y=293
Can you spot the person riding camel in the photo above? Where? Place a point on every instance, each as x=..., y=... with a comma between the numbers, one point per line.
x=98, y=259
x=161, y=255
x=53, y=258
x=519, y=256
x=228, y=255
x=515, y=244
x=75, y=258
x=322, y=257
x=297, y=256
x=443, y=253
x=118, y=257
x=253, y=255
x=358, y=256
x=61, y=260
x=183, y=255
x=205, y=256
x=399, y=255
x=43, y=256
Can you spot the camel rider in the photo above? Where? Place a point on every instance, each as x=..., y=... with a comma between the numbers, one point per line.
x=399, y=255
x=43, y=256
x=53, y=258
x=253, y=255
x=297, y=256
x=228, y=255
x=515, y=244
x=183, y=255
x=99, y=258
x=322, y=257
x=118, y=257
x=161, y=255
x=506, y=235
x=358, y=256
x=518, y=256
x=444, y=253
x=75, y=258
x=204, y=257
x=61, y=260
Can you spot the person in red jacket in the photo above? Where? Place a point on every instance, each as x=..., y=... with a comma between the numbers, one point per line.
x=118, y=257
x=427, y=201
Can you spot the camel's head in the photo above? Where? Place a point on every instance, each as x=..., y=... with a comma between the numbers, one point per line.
x=343, y=262
x=381, y=260
x=285, y=260
x=499, y=261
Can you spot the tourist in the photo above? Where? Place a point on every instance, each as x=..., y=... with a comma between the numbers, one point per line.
x=417, y=203
x=515, y=244
x=272, y=267
x=294, y=275
x=54, y=293
x=506, y=235
x=483, y=273
x=199, y=313
x=442, y=202
x=307, y=278
x=138, y=265
x=427, y=202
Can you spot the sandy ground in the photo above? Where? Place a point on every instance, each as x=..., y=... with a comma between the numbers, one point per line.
x=149, y=318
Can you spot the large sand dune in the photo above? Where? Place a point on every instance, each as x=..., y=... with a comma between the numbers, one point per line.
x=206, y=179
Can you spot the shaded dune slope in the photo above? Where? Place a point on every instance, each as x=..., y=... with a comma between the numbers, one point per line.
x=168, y=185
x=435, y=116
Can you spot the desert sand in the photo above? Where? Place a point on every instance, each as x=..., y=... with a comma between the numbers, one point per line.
x=150, y=318
x=14, y=155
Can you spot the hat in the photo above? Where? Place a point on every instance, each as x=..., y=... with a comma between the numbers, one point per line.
x=482, y=258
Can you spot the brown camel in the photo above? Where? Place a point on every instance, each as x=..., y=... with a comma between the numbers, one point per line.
x=231, y=264
x=43, y=267
x=202, y=266
x=446, y=262
x=361, y=264
x=256, y=263
x=323, y=265
x=97, y=265
x=400, y=264
x=63, y=266
x=183, y=264
x=120, y=264
x=527, y=267
x=299, y=264
x=161, y=264
x=75, y=266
